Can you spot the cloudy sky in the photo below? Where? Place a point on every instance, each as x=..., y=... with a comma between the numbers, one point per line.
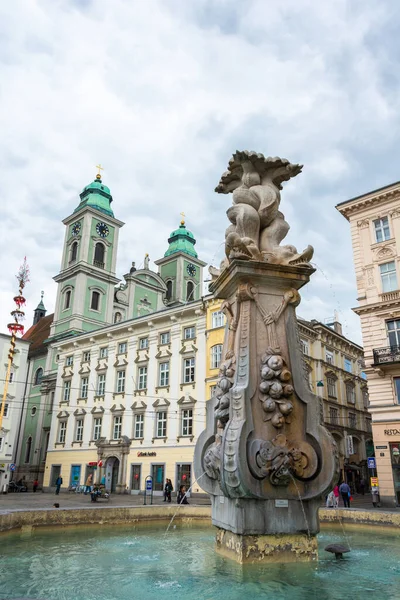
x=161, y=92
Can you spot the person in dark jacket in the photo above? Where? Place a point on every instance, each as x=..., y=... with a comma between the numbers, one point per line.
x=181, y=499
x=59, y=482
x=169, y=488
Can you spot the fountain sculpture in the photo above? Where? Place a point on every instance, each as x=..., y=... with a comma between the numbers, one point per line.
x=266, y=456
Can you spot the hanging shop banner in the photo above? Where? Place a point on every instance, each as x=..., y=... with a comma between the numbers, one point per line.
x=349, y=445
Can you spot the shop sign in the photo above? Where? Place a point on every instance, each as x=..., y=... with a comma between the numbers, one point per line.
x=147, y=453
x=374, y=482
x=392, y=432
x=2, y=465
x=381, y=447
x=282, y=503
x=93, y=464
x=349, y=444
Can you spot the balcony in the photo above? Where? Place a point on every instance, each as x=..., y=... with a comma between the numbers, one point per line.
x=386, y=356
x=98, y=263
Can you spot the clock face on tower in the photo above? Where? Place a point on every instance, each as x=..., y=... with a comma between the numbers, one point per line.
x=191, y=269
x=76, y=227
x=102, y=230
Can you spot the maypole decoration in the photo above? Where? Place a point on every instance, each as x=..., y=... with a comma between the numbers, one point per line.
x=15, y=328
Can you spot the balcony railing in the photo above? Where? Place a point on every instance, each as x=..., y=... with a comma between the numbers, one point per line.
x=386, y=356
x=98, y=263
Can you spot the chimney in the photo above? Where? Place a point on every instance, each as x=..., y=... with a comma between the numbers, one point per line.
x=334, y=323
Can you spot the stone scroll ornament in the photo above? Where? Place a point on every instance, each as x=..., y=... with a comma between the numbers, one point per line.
x=257, y=226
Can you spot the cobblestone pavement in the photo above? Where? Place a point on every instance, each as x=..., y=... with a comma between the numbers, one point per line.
x=29, y=501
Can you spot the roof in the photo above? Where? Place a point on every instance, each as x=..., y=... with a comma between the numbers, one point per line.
x=97, y=195
x=37, y=334
x=181, y=240
x=385, y=187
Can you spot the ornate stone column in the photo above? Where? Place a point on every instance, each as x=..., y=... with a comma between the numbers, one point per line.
x=264, y=458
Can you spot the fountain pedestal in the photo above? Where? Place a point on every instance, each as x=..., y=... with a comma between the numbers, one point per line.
x=266, y=456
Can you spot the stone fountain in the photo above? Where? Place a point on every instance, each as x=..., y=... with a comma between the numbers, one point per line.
x=266, y=456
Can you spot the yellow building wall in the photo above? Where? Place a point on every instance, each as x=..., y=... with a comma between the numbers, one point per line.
x=213, y=336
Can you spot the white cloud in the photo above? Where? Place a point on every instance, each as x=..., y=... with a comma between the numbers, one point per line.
x=162, y=92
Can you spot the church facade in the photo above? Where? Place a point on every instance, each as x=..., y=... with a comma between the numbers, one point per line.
x=117, y=373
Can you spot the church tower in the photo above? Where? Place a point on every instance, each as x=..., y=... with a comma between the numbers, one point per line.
x=87, y=277
x=180, y=268
x=39, y=311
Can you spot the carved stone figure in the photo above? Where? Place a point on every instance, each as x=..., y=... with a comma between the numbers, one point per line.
x=258, y=227
x=265, y=458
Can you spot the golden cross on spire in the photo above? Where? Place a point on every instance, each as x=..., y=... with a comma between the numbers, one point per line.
x=183, y=218
x=100, y=168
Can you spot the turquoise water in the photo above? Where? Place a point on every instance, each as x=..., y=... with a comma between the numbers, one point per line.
x=141, y=563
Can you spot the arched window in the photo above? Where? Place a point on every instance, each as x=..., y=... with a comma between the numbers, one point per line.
x=67, y=300
x=117, y=317
x=95, y=302
x=38, y=376
x=190, y=290
x=74, y=252
x=99, y=252
x=28, y=449
x=168, y=295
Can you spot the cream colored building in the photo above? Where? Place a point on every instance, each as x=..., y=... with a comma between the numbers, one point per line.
x=335, y=371
x=132, y=397
x=375, y=231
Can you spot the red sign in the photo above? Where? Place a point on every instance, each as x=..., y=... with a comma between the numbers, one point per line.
x=100, y=463
x=93, y=464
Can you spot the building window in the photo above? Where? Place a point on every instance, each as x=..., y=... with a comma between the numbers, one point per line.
x=334, y=416
x=120, y=382
x=103, y=352
x=33, y=411
x=164, y=338
x=74, y=251
x=101, y=384
x=393, y=329
x=117, y=427
x=84, y=387
x=67, y=391
x=162, y=424
x=212, y=390
x=143, y=343
x=350, y=393
x=99, y=253
x=353, y=420
x=1, y=443
x=388, y=276
x=189, y=291
x=97, y=428
x=79, y=430
x=142, y=378
x=164, y=374
x=329, y=357
x=86, y=357
x=382, y=230
x=217, y=319
x=95, y=301
x=365, y=397
x=189, y=333
x=5, y=413
x=187, y=421
x=216, y=355
x=28, y=449
x=69, y=361
x=331, y=385
x=122, y=348
x=138, y=427
x=67, y=299
x=189, y=370
x=62, y=430
x=168, y=294
x=396, y=381
x=305, y=347
x=348, y=364
x=38, y=376
x=117, y=317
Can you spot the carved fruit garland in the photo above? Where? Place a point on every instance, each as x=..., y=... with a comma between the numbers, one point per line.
x=275, y=389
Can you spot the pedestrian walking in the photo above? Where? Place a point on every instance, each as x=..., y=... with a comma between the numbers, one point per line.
x=88, y=484
x=181, y=499
x=344, y=489
x=35, y=485
x=336, y=496
x=170, y=489
x=362, y=486
x=59, y=482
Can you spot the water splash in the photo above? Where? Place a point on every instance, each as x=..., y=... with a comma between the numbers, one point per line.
x=179, y=505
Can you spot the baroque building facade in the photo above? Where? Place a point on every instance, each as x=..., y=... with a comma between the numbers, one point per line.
x=374, y=221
